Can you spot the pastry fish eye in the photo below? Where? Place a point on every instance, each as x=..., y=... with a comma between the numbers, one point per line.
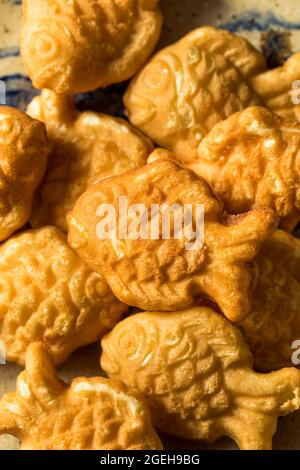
x=129, y=343
x=136, y=345
x=158, y=76
x=49, y=40
x=47, y=46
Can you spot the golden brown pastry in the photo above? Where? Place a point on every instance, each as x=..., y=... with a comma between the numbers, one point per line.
x=47, y=293
x=190, y=86
x=80, y=45
x=89, y=414
x=88, y=147
x=24, y=151
x=279, y=88
x=154, y=269
x=195, y=368
x=273, y=326
x=251, y=160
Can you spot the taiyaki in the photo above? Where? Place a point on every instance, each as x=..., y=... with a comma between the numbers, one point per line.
x=89, y=414
x=119, y=227
x=273, y=327
x=24, y=150
x=88, y=147
x=251, y=160
x=186, y=88
x=80, y=45
x=195, y=368
x=47, y=293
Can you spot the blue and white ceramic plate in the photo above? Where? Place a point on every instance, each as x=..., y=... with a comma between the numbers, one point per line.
x=273, y=26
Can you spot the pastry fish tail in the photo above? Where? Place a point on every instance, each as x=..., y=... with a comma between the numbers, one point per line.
x=247, y=232
x=276, y=393
x=41, y=373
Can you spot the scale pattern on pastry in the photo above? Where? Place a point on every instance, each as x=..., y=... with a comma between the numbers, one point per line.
x=160, y=270
x=88, y=147
x=273, y=326
x=89, y=414
x=47, y=293
x=195, y=368
x=80, y=45
x=252, y=159
x=191, y=85
x=24, y=151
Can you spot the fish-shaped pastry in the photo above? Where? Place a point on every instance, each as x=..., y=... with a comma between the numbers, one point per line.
x=189, y=86
x=89, y=414
x=87, y=147
x=48, y=293
x=252, y=159
x=79, y=45
x=24, y=153
x=195, y=369
x=279, y=88
x=177, y=244
x=273, y=327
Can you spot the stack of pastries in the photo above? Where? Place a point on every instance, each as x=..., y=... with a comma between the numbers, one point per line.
x=209, y=348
